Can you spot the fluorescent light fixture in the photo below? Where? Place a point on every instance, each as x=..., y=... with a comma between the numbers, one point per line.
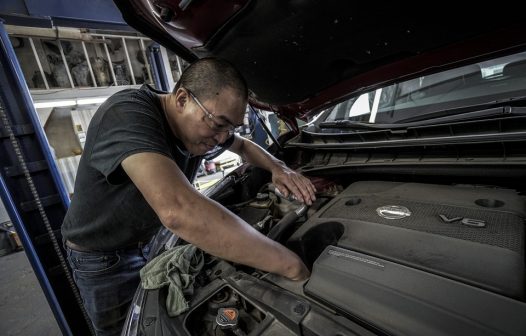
x=88, y=101
x=60, y=103
x=72, y=102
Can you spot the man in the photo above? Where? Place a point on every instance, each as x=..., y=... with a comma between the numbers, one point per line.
x=142, y=149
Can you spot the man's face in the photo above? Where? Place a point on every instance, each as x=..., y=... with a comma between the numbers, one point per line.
x=208, y=123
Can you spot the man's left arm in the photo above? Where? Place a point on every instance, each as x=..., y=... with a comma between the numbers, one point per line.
x=284, y=178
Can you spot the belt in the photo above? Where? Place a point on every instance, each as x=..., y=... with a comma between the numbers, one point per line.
x=73, y=246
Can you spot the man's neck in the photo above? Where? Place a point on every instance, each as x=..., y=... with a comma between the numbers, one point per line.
x=169, y=118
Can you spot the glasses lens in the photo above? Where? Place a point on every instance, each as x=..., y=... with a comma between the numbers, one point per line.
x=210, y=118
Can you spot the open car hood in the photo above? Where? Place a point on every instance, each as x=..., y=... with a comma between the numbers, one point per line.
x=303, y=56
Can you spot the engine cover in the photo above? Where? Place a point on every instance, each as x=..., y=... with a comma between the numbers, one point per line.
x=473, y=235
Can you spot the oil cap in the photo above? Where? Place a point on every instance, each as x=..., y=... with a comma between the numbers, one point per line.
x=227, y=317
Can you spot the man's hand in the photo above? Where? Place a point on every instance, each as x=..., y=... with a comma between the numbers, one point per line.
x=288, y=181
x=285, y=179
x=299, y=272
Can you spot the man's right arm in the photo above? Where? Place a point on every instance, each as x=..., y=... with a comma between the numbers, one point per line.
x=204, y=222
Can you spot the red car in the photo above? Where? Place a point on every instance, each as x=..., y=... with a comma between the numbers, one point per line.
x=414, y=133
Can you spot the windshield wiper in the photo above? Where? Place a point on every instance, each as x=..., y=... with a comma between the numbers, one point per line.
x=411, y=122
x=344, y=123
x=487, y=110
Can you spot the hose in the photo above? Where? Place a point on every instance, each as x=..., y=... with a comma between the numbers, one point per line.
x=276, y=233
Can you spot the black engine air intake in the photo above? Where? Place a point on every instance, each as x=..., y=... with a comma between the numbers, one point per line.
x=470, y=234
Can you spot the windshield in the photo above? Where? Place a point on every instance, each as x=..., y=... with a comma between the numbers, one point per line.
x=444, y=93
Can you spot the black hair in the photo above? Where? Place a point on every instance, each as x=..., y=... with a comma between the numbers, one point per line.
x=208, y=76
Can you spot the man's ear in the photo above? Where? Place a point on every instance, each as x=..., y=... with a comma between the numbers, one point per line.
x=181, y=97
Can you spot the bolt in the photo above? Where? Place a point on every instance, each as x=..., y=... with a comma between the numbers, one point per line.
x=299, y=309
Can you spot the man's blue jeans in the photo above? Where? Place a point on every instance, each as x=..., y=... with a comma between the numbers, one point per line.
x=107, y=282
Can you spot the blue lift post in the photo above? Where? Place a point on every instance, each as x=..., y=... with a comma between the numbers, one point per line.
x=33, y=193
x=158, y=71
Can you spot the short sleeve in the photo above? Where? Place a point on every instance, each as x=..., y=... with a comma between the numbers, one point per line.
x=124, y=129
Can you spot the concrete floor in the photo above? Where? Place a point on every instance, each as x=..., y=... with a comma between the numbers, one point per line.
x=24, y=310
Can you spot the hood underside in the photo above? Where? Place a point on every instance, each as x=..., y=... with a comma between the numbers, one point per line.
x=303, y=56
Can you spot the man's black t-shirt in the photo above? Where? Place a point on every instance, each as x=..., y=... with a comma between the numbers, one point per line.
x=107, y=211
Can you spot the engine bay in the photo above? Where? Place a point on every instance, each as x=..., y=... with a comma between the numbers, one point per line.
x=388, y=258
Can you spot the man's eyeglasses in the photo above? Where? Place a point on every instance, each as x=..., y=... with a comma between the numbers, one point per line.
x=210, y=119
